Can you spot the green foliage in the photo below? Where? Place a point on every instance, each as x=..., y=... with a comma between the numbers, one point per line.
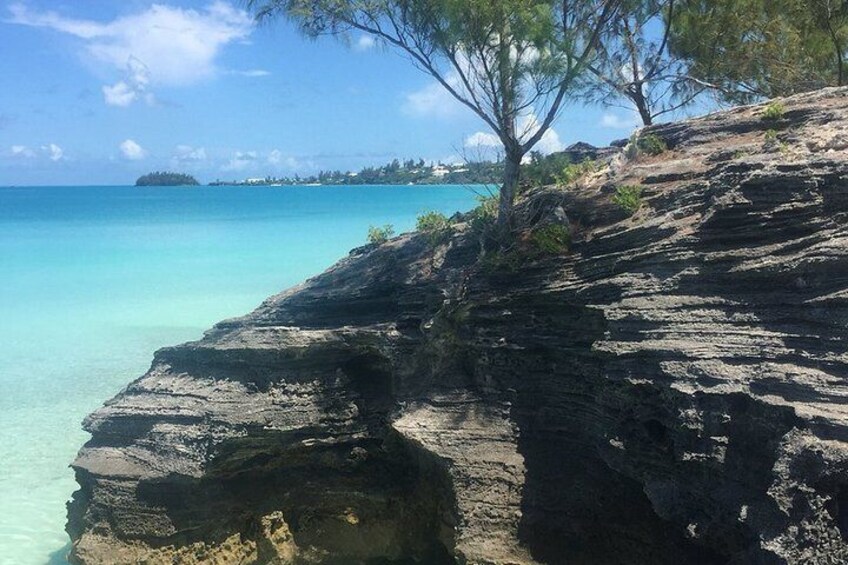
x=651, y=144
x=508, y=261
x=551, y=239
x=751, y=49
x=160, y=178
x=436, y=226
x=380, y=235
x=485, y=214
x=646, y=144
x=543, y=170
x=509, y=56
x=555, y=168
x=635, y=67
x=629, y=198
x=772, y=141
x=542, y=241
x=773, y=112
x=573, y=172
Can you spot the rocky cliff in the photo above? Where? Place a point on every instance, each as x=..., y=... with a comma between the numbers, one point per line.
x=671, y=389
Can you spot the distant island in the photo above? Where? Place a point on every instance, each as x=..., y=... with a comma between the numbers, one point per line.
x=166, y=179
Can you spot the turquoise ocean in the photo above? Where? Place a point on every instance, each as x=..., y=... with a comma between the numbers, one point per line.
x=94, y=279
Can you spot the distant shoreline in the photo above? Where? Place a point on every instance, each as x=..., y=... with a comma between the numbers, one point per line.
x=241, y=186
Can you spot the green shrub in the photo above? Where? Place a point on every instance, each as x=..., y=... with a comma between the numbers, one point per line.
x=483, y=217
x=651, y=144
x=773, y=142
x=648, y=144
x=378, y=236
x=573, y=172
x=503, y=261
x=773, y=112
x=544, y=169
x=552, y=239
x=436, y=226
x=629, y=198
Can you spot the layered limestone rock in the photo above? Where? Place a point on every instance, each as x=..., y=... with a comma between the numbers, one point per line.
x=673, y=389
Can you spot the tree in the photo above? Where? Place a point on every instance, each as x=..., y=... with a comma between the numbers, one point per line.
x=750, y=49
x=162, y=178
x=512, y=62
x=635, y=64
x=829, y=18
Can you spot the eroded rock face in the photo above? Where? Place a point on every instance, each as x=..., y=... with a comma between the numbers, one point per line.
x=673, y=390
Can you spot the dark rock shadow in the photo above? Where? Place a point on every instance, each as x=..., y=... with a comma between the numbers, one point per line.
x=60, y=556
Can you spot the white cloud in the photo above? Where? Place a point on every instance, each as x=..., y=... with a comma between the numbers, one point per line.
x=185, y=154
x=121, y=94
x=22, y=151
x=483, y=139
x=55, y=152
x=252, y=73
x=549, y=143
x=433, y=100
x=241, y=160
x=51, y=151
x=277, y=159
x=132, y=150
x=614, y=121
x=163, y=45
x=364, y=43
x=133, y=87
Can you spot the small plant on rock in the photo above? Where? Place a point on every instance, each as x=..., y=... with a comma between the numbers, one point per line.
x=551, y=239
x=773, y=112
x=647, y=144
x=772, y=142
x=436, y=226
x=629, y=198
x=502, y=261
x=573, y=172
x=380, y=235
x=486, y=212
x=651, y=144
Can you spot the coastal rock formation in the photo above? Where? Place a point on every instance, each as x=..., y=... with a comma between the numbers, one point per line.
x=674, y=389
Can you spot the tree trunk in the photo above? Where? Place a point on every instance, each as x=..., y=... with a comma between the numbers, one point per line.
x=645, y=114
x=512, y=174
x=642, y=106
x=840, y=66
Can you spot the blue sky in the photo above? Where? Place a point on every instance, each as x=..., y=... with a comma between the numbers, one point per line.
x=99, y=92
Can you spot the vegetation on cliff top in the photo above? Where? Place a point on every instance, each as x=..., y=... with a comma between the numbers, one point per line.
x=516, y=64
x=512, y=63
x=160, y=178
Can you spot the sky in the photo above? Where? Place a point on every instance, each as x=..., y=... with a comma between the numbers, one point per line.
x=102, y=91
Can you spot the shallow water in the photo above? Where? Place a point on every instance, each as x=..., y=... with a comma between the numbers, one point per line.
x=94, y=279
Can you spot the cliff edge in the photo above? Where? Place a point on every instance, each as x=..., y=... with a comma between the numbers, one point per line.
x=672, y=389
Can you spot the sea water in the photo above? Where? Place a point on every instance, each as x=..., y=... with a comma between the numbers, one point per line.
x=94, y=279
